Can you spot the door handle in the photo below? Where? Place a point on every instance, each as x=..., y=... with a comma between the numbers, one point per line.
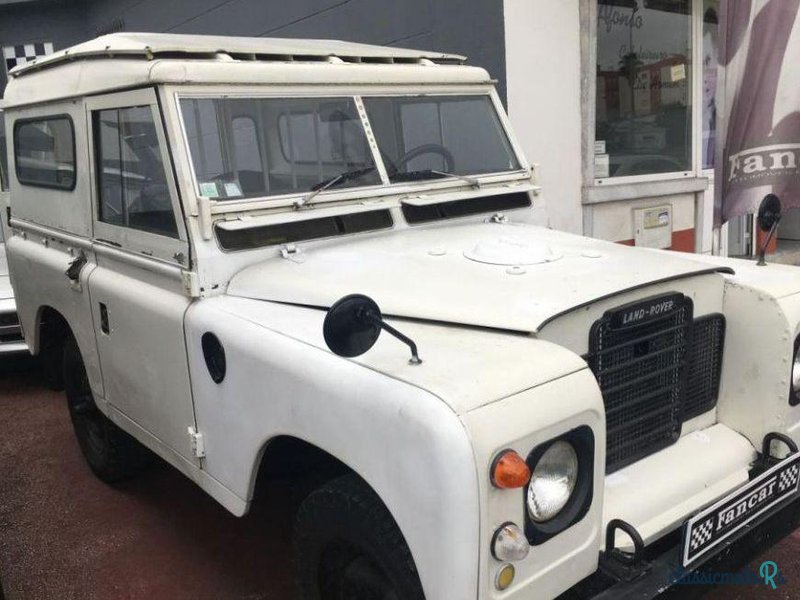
x=75, y=267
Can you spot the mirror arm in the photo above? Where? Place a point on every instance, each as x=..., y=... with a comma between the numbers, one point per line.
x=415, y=359
x=762, y=262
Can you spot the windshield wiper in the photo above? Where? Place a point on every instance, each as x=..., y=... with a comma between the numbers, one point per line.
x=329, y=183
x=419, y=175
x=424, y=174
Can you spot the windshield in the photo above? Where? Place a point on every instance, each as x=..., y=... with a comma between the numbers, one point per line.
x=251, y=147
x=437, y=135
x=257, y=147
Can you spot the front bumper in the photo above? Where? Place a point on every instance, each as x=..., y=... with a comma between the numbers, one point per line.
x=660, y=566
x=665, y=563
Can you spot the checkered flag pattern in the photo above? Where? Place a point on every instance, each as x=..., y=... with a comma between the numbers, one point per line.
x=25, y=53
x=701, y=533
x=788, y=478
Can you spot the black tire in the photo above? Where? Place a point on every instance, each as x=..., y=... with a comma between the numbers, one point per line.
x=51, y=359
x=112, y=454
x=347, y=546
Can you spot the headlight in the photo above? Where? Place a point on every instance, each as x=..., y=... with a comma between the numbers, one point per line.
x=553, y=481
x=562, y=484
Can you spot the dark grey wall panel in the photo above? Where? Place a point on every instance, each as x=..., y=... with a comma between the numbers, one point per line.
x=146, y=15
x=470, y=27
x=62, y=23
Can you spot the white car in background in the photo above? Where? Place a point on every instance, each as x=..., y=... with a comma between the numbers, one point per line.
x=10, y=334
x=11, y=340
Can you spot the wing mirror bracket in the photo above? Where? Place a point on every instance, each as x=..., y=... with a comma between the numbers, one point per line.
x=769, y=216
x=353, y=325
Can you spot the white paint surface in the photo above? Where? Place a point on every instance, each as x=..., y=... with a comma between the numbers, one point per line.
x=544, y=90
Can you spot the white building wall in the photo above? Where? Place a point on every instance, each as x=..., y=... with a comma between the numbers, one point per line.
x=543, y=61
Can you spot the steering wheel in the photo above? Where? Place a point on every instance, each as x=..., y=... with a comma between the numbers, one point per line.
x=449, y=160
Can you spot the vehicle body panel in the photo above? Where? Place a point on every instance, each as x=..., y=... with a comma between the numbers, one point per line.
x=396, y=436
x=38, y=263
x=521, y=422
x=432, y=263
x=145, y=332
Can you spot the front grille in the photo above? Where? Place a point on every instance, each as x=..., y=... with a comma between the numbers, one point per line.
x=654, y=372
x=704, y=364
x=640, y=370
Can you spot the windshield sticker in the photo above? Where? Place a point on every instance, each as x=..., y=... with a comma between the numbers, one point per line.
x=600, y=147
x=602, y=166
x=232, y=190
x=209, y=189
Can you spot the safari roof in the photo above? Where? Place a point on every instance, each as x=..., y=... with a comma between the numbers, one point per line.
x=124, y=60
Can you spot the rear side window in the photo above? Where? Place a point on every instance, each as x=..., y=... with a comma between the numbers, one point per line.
x=132, y=182
x=44, y=152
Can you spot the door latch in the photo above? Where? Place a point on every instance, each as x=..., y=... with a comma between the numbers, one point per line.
x=75, y=267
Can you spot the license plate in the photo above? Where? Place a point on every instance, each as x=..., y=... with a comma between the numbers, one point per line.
x=713, y=525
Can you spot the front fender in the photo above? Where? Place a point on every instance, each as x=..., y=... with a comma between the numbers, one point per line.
x=762, y=308
x=405, y=442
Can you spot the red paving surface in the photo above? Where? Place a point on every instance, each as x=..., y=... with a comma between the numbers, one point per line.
x=65, y=535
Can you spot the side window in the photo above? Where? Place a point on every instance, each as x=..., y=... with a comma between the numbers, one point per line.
x=44, y=152
x=131, y=180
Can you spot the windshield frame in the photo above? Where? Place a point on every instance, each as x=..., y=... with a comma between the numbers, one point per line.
x=380, y=190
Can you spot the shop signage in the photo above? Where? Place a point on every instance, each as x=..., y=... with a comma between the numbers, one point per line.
x=758, y=150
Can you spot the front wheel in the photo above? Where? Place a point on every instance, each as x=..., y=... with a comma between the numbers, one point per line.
x=348, y=547
x=112, y=454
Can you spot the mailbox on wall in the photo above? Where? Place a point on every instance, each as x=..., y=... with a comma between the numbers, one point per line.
x=653, y=227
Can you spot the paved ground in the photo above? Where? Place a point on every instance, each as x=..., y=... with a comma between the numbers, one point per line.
x=64, y=535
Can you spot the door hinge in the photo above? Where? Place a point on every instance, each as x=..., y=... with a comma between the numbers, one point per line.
x=197, y=442
x=191, y=283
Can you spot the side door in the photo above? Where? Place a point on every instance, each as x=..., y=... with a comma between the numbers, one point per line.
x=137, y=294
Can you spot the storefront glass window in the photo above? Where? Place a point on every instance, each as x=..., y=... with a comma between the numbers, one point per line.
x=644, y=91
x=710, y=49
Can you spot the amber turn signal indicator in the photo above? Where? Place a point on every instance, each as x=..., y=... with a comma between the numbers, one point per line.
x=510, y=471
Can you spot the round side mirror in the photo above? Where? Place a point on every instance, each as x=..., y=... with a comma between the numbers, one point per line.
x=769, y=213
x=351, y=326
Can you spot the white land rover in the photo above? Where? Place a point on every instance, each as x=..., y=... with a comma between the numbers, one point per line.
x=215, y=231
